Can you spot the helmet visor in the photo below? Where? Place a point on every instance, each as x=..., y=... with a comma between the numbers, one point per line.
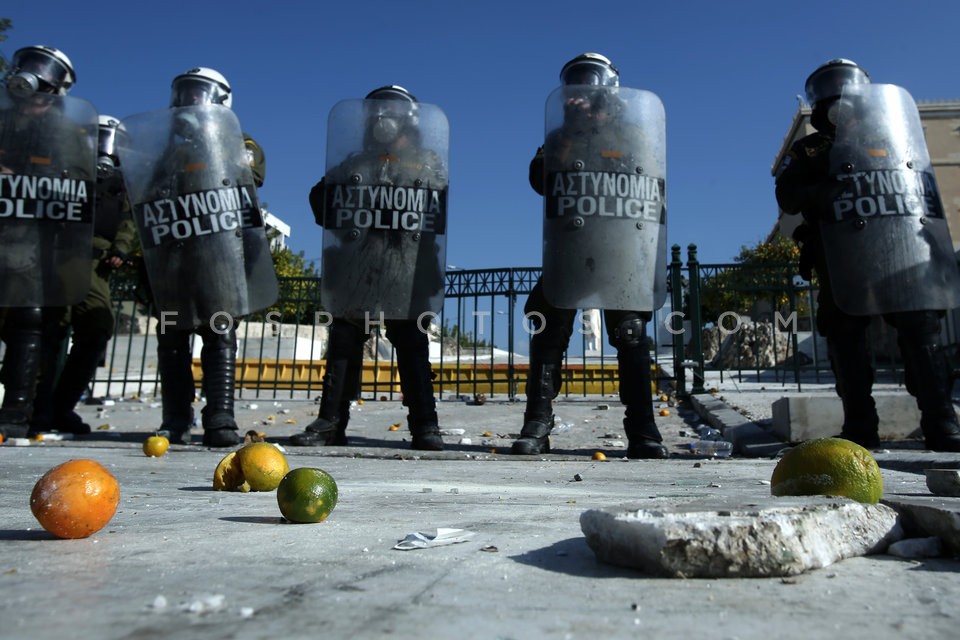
x=590, y=73
x=190, y=91
x=52, y=75
x=829, y=82
x=106, y=142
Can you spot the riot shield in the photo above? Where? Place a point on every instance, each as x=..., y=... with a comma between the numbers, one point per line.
x=886, y=240
x=48, y=154
x=196, y=209
x=605, y=212
x=385, y=214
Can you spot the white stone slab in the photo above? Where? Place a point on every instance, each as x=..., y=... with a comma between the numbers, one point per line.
x=786, y=536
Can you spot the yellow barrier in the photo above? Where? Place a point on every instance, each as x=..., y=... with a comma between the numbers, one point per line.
x=383, y=378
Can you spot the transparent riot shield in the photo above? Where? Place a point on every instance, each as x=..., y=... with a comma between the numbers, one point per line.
x=47, y=193
x=385, y=215
x=605, y=212
x=196, y=209
x=886, y=240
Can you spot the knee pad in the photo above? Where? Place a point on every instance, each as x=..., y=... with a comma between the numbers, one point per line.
x=629, y=334
x=220, y=336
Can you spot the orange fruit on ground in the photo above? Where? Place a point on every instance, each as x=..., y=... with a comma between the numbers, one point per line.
x=828, y=466
x=599, y=455
x=258, y=466
x=307, y=495
x=664, y=412
x=75, y=499
x=155, y=446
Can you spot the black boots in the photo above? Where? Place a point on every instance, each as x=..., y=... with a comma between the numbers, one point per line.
x=416, y=384
x=218, y=358
x=176, y=387
x=330, y=427
x=929, y=379
x=78, y=370
x=341, y=382
x=633, y=363
x=543, y=384
x=21, y=367
x=850, y=359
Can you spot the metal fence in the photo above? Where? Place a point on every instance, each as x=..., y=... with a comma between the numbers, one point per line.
x=481, y=342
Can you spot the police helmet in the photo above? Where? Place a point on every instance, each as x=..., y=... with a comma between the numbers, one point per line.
x=40, y=69
x=591, y=69
x=200, y=85
x=828, y=80
x=390, y=110
x=106, y=142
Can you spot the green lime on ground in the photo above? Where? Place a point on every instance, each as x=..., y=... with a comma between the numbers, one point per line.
x=307, y=495
x=828, y=466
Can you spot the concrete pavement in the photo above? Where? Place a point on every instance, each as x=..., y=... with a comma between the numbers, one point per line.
x=179, y=560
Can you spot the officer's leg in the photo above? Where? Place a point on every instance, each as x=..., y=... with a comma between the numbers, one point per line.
x=552, y=329
x=53, y=341
x=628, y=335
x=344, y=359
x=849, y=352
x=78, y=370
x=218, y=358
x=22, y=333
x=416, y=383
x=176, y=383
x=929, y=377
x=92, y=323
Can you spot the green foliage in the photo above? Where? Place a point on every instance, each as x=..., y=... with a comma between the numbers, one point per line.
x=763, y=275
x=463, y=339
x=5, y=25
x=299, y=282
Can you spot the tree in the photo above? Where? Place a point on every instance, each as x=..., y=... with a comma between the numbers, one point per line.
x=766, y=274
x=299, y=298
x=5, y=25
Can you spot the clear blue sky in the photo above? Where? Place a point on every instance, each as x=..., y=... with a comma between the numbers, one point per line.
x=728, y=73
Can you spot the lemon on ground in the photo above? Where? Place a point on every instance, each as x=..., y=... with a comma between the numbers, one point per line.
x=155, y=446
x=307, y=495
x=828, y=466
x=258, y=466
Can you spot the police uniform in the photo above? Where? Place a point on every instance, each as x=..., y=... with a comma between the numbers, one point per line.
x=25, y=329
x=384, y=258
x=626, y=332
x=92, y=320
x=217, y=360
x=804, y=186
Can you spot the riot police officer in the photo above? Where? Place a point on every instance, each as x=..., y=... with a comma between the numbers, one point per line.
x=92, y=320
x=396, y=272
x=40, y=139
x=188, y=166
x=598, y=134
x=900, y=266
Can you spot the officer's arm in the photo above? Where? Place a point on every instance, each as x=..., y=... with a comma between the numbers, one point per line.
x=796, y=184
x=126, y=239
x=536, y=171
x=317, y=195
x=258, y=161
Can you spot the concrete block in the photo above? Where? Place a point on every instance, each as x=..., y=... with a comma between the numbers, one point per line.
x=785, y=537
x=799, y=418
x=930, y=516
x=748, y=438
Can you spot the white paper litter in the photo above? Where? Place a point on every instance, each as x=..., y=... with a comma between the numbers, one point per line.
x=442, y=536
